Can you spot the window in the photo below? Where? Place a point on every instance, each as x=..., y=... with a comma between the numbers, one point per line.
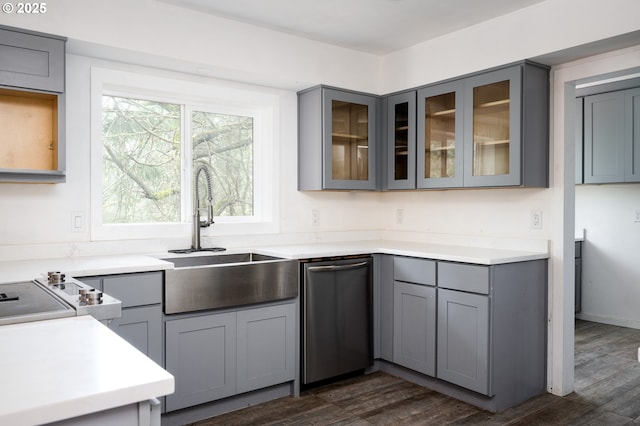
x=152, y=134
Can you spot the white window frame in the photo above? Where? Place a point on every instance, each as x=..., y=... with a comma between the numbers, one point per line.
x=208, y=96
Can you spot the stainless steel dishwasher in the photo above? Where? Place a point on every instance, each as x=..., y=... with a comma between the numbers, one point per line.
x=336, y=318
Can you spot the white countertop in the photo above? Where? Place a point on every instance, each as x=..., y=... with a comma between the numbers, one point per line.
x=453, y=253
x=64, y=368
x=80, y=266
x=106, y=265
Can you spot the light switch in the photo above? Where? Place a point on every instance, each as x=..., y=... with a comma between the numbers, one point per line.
x=77, y=222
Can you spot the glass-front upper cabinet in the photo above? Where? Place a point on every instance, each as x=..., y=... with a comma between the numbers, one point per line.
x=337, y=139
x=492, y=151
x=439, y=140
x=401, y=140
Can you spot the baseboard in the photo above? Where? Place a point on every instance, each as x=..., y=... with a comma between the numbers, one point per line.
x=621, y=322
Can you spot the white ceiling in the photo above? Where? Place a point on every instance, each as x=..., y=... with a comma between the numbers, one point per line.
x=375, y=26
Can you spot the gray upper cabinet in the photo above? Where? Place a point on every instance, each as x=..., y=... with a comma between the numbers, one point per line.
x=439, y=140
x=604, y=138
x=632, y=135
x=611, y=136
x=489, y=129
x=31, y=60
x=337, y=139
x=32, y=102
x=400, y=132
x=579, y=148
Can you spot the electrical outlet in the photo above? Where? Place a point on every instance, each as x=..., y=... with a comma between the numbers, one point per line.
x=315, y=217
x=636, y=215
x=399, y=216
x=536, y=219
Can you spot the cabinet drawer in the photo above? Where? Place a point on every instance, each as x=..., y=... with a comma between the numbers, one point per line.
x=471, y=278
x=31, y=61
x=413, y=270
x=135, y=289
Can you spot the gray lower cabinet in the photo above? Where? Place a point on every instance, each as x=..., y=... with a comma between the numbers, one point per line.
x=492, y=329
x=414, y=327
x=384, y=310
x=224, y=354
x=578, y=276
x=201, y=355
x=141, y=297
x=481, y=328
x=142, y=327
x=266, y=347
x=414, y=314
x=463, y=340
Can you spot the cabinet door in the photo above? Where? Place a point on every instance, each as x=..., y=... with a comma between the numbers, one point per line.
x=349, y=152
x=579, y=138
x=266, y=347
x=463, y=340
x=492, y=131
x=401, y=141
x=604, y=145
x=201, y=355
x=632, y=137
x=142, y=327
x=439, y=138
x=32, y=61
x=414, y=327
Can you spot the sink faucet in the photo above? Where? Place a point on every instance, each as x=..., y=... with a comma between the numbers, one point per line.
x=197, y=224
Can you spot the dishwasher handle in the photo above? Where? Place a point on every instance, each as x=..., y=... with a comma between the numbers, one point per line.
x=336, y=267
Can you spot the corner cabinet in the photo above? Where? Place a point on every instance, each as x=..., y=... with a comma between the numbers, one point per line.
x=32, y=107
x=400, y=133
x=475, y=332
x=337, y=139
x=141, y=320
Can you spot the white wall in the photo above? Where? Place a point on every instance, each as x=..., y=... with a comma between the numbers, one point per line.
x=542, y=28
x=611, y=271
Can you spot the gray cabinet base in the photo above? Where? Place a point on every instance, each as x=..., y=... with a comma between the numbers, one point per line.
x=215, y=408
x=493, y=404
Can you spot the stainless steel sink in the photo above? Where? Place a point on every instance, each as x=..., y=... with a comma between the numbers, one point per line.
x=226, y=280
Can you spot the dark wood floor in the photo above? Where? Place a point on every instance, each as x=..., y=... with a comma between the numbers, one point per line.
x=607, y=392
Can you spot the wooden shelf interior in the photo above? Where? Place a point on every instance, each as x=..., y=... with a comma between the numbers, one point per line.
x=29, y=136
x=349, y=141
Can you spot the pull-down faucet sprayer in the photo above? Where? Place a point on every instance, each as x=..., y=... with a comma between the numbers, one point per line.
x=197, y=223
